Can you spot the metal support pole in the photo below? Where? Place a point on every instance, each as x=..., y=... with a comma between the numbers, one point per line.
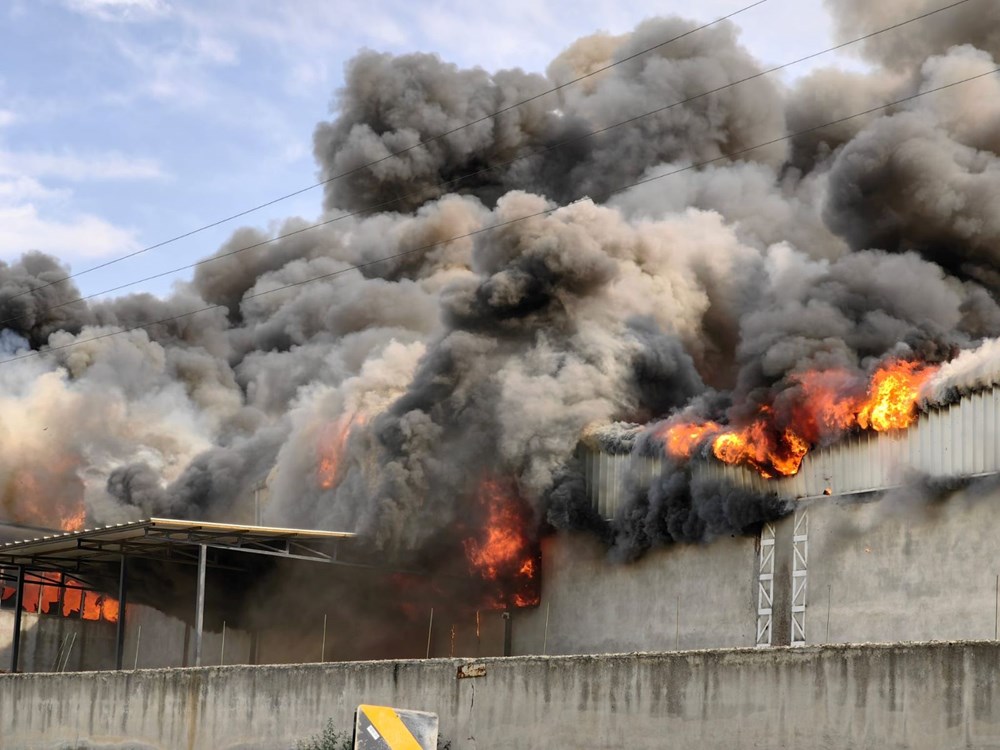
x=545, y=632
x=199, y=611
x=138, y=640
x=430, y=629
x=508, y=633
x=122, y=594
x=15, y=644
x=322, y=650
x=254, y=645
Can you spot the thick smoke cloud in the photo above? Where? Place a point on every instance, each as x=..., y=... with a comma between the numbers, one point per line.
x=679, y=507
x=393, y=103
x=975, y=23
x=383, y=399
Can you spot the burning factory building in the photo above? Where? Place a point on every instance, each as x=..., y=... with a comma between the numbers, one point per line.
x=666, y=353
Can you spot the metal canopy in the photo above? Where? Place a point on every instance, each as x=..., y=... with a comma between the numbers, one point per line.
x=163, y=539
x=105, y=551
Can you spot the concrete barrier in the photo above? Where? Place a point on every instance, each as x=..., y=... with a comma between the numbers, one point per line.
x=935, y=696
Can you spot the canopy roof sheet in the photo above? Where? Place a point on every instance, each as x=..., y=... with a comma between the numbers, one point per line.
x=164, y=539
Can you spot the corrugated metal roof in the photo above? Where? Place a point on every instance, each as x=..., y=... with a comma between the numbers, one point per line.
x=961, y=439
x=150, y=536
x=957, y=440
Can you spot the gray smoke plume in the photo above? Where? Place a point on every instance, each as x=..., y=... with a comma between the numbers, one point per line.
x=393, y=103
x=392, y=398
x=971, y=370
x=975, y=23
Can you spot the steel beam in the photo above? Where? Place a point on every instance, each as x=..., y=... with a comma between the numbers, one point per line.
x=122, y=595
x=199, y=612
x=15, y=643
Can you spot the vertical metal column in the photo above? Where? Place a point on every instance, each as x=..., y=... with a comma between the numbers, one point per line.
x=765, y=587
x=199, y=612
x=120, y=631
x=800, y=576
x=15, y=643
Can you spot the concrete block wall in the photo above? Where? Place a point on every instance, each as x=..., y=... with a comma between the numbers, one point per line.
x=913, y=696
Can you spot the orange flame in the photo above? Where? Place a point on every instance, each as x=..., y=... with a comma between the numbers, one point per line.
x=74, y=521
x=99, y=607
x=893, y=395
x=502, y=553
x=332, y=443
x=72, y=601
x=822, y=404
x=43, y=598
x=682, y=438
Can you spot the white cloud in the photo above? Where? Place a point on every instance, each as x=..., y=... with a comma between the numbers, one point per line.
x=6, y=117
x=77, y=168
x=120, y=10
x=36, y=216
x=22, y=188
x=23, y=228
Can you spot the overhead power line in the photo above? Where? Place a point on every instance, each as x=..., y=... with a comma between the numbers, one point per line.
x=493, y=227
x=484, y=170
x=392, y=155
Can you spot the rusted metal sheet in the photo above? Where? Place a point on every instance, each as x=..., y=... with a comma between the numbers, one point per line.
x=471, y=670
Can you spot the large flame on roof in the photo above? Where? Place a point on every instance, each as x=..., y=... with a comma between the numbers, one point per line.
x=817, y=406
x=502, y=553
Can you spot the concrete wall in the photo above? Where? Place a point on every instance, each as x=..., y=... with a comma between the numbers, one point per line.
x=51, y=643
x=900, y=567
x=934, y=696
x=48, y=642
x=690, y=596
x=903, y=569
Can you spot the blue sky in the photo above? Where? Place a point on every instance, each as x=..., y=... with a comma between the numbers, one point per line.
x=126, y=122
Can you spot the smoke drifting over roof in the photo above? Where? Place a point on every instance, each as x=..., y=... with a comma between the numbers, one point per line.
x=379, y=399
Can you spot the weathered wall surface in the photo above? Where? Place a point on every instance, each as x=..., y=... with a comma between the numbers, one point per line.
x=687, y=597
x=904, y=569
x=935, y=696
x=50, y=643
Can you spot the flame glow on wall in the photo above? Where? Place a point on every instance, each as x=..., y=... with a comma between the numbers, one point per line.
x=818, y=407
x=42, y=598
x=502, y=553
x=332, y=443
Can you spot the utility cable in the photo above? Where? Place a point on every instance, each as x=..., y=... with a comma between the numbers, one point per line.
x=509, y=222
x=394, y=154
x=492, y=167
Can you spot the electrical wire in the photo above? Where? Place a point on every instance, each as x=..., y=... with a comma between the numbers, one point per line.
x=493, y=167
x=509, y=222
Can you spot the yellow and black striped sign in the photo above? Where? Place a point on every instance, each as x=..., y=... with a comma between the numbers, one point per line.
x=384, y=728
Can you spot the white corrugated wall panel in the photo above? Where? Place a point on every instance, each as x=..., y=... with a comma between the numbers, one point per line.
x=951, y=441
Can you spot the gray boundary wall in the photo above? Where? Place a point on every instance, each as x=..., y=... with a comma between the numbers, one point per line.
x=908, y=565
x=935, y=696
x=690, y=596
